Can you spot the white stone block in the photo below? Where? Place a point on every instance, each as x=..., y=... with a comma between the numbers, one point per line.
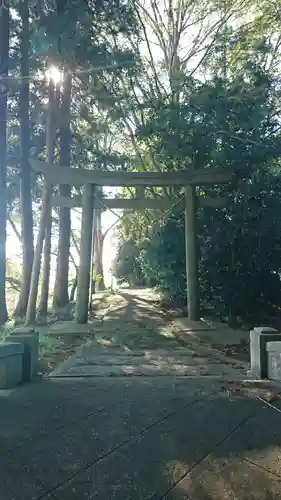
x=274, y=360
x=259, y=337
x=264, y=329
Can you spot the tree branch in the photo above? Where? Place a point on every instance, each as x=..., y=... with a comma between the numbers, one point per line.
x=14, y=228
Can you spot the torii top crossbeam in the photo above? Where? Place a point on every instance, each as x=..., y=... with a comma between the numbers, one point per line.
x=57, y=174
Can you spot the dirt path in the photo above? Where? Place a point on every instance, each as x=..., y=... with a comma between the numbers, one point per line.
x=131, y=336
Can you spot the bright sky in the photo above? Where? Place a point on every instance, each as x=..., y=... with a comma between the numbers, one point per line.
x=110, y=243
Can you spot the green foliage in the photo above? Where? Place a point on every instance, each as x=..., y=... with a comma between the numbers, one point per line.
x=240, y=248
x=162, y=258
x=231, y=122
x=217, y=123
x=127, y=267
x=92, y=43
x=240, y=257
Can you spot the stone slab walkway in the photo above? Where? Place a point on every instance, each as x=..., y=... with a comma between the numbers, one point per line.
x=91, y=361
x=133, y=338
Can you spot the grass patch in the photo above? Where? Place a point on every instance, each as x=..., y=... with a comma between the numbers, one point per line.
x=54, y=349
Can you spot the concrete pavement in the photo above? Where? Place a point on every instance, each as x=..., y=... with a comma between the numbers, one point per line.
x=137, y=438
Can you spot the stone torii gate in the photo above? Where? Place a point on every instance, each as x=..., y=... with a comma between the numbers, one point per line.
x=89, y=179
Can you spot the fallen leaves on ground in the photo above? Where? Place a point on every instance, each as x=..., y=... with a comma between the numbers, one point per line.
x=237, y=388
x=239, y=351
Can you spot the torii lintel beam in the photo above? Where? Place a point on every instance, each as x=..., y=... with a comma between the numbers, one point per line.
x=57, y=174
x=163, y=203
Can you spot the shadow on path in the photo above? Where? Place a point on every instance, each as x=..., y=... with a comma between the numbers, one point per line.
x=136, y=322
x=160, y=438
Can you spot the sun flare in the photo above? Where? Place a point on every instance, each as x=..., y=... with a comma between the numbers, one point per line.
x=54, y=74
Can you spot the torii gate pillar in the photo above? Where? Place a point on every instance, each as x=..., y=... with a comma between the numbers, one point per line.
x=84, y=272
x=191, y=254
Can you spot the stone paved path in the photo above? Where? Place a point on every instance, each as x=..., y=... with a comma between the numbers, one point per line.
x=133, y=338
x=138, y=438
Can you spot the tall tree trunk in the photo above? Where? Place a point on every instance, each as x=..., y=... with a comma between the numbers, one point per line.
x=45, y=215
x=73, y=289
x=4, y=56
x=50, y=142
x=98, y=254
x=25, y=179
x=43, y=303
x=32, y=298
x=61, y=297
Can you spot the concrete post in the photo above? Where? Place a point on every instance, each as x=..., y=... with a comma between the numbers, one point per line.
x=30, y=343
x=259, y=337
x=84, y=273
x=11, y=357
x=191, y=254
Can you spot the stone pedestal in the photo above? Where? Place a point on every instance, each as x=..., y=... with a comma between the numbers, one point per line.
x=259, y=337
x=274, y=360
x=23, y=330
x=11, y=361
x=30, y=343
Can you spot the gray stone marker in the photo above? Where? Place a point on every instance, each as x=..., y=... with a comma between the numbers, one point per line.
x=30, y=343
x=259, y=337
x=11, y=361
x=274, y=360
